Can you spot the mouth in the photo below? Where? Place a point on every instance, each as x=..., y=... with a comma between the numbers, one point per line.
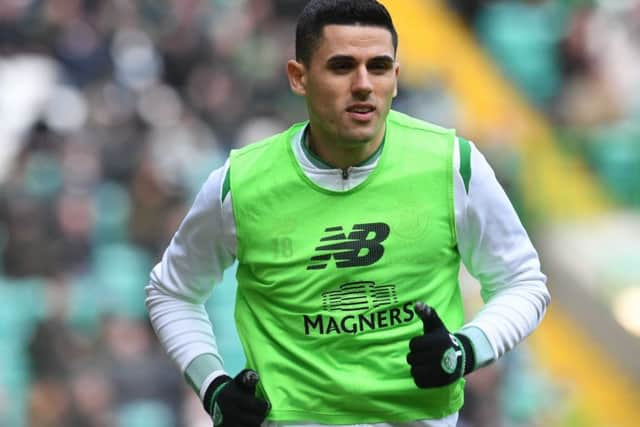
x=361, y=112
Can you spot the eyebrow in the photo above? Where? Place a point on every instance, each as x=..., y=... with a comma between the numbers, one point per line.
x=379, y=58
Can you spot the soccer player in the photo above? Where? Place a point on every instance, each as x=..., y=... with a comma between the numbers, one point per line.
x=349, y=230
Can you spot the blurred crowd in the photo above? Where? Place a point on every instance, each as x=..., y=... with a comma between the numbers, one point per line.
x=112, y=114
x=578, y=62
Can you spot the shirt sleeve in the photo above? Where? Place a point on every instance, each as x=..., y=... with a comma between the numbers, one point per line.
x=496, y=250
x=199, y=252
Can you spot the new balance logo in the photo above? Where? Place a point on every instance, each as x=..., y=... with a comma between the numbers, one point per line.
x=362, y=247
x=359, y=296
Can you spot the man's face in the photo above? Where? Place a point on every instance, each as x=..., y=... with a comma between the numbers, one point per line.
x=349, y=84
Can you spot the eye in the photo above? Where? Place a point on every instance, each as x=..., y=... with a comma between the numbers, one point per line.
x=341, y=66
x=380, y=67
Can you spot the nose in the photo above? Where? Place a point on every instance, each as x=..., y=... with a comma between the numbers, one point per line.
x=361, y=86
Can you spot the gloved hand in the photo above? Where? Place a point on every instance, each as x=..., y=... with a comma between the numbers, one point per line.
x=232, y=402
x=437, y=357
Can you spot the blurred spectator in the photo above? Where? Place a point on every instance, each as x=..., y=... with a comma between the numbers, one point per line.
x=598, y=109
x=138, y=371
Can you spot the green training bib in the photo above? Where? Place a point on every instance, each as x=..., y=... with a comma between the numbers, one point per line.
x=327, y=280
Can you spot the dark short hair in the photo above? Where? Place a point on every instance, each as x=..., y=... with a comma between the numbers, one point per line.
x=319, y=13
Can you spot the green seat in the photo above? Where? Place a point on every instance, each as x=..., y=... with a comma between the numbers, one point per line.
x=221, y=310
x=23, y=304
x=522, y=39
x=114, y=206
x=43, y=176
x=614, y=152
x=120, y=273
x=145, y=413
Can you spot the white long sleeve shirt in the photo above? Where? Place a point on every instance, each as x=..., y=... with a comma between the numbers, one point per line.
x=493, y=244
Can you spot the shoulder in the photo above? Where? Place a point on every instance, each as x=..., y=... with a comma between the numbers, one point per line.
x=257, y=160
x=259, y=147
x=403, y=121
x=421, y=135
x=420, y=138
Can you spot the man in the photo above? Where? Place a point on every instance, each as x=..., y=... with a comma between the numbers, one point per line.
x=348, y=230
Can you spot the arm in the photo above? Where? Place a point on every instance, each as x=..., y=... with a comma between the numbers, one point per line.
x=496, y=249
x=201, y=249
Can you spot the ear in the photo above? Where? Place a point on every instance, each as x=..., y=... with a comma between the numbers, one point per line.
x=397, y=73
x=297, y=73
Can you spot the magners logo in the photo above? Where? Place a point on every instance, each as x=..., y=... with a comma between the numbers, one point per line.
x=377, y=304
x=363, y=246
x=359, y=296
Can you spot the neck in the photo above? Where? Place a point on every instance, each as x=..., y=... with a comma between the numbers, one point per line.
x=342, y=155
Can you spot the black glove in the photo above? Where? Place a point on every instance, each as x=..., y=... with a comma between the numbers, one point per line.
x=232, y=402
x=438, y=358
